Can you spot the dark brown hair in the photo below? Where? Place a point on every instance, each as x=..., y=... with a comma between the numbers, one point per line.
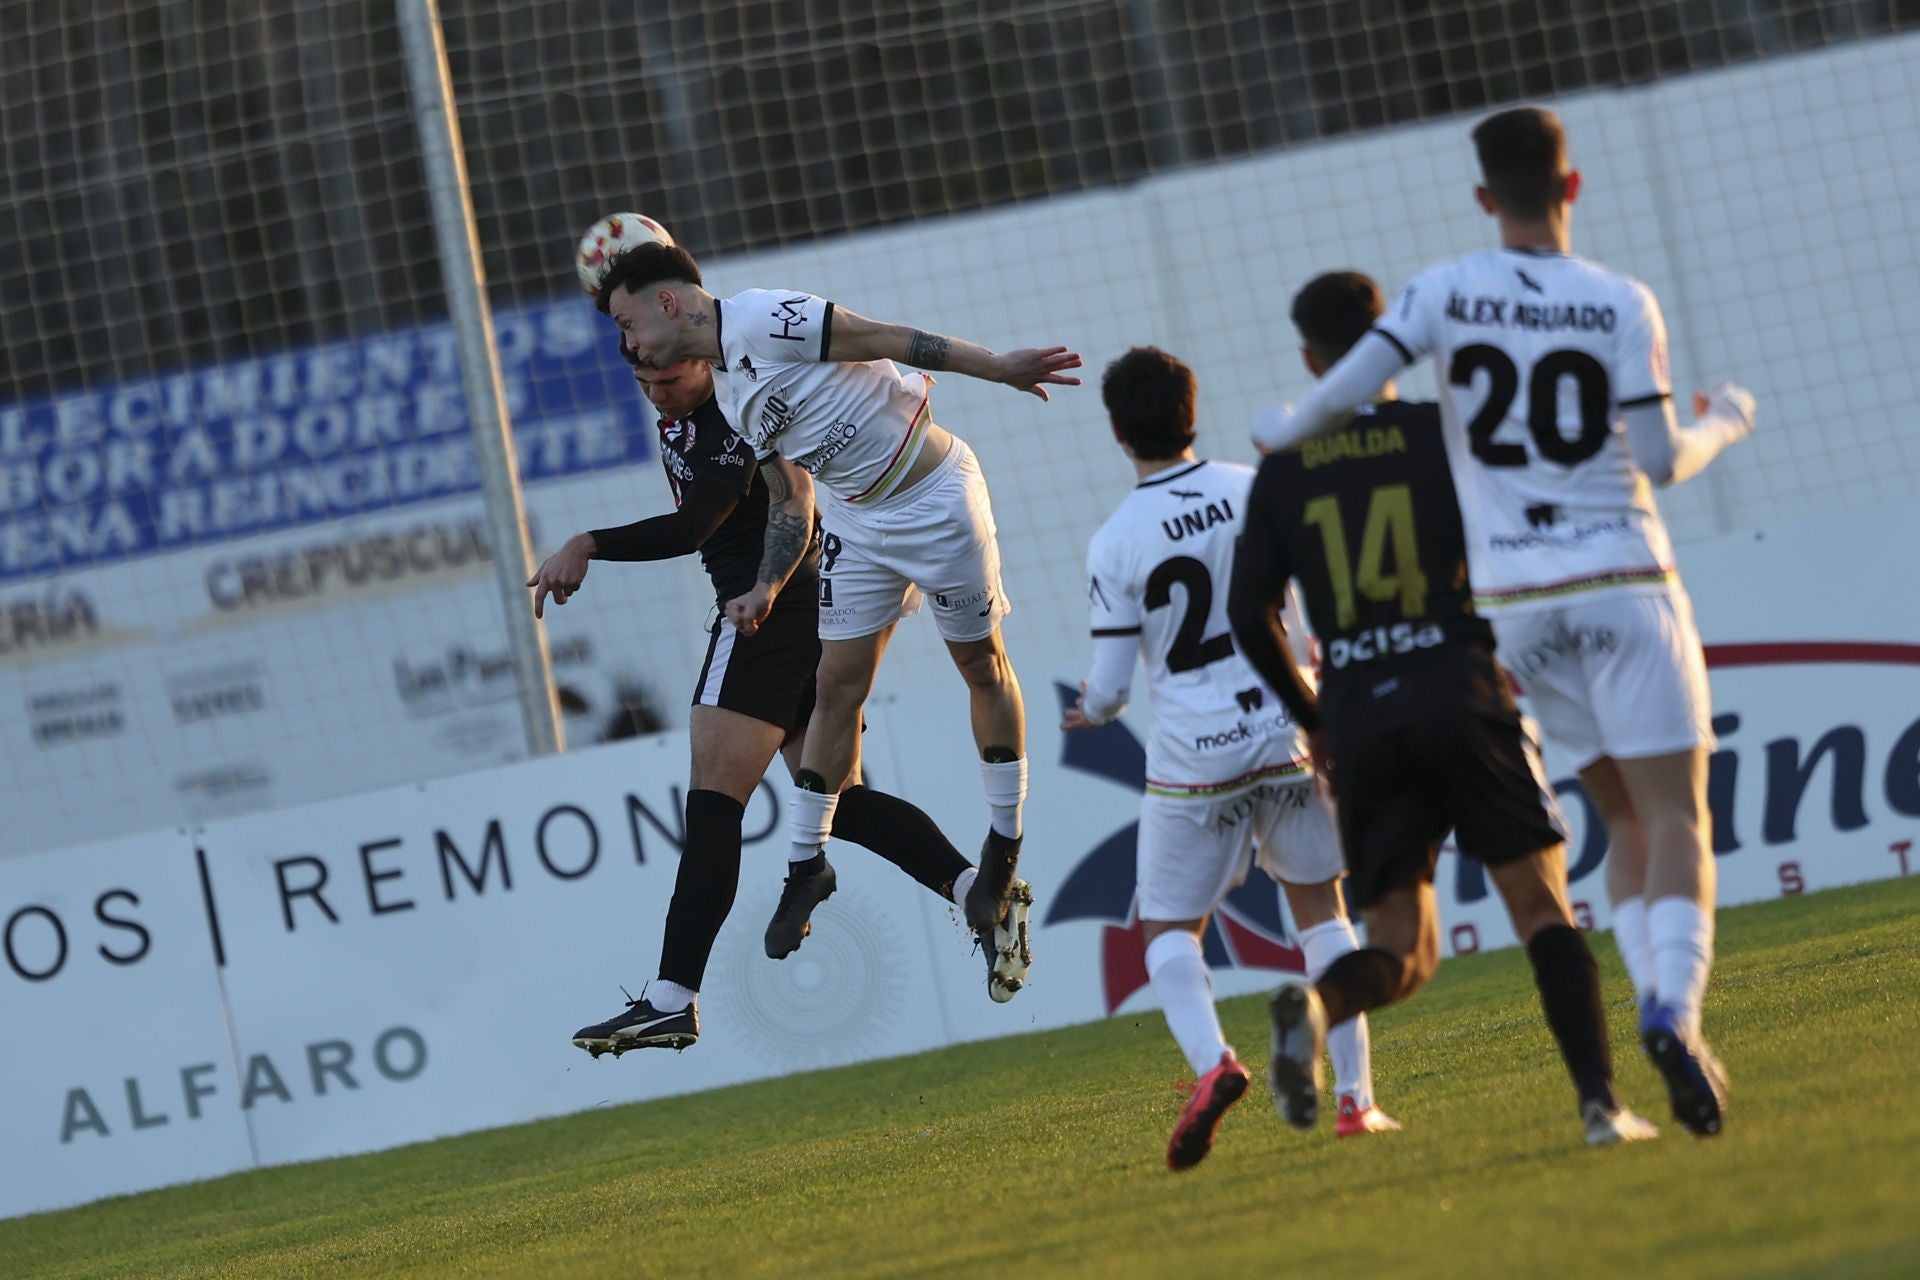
x=1334, y=311
x=1523, y=159
x=644, y=265
x=1149, y=396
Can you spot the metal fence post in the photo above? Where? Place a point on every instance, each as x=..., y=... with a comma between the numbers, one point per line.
x=445, y=163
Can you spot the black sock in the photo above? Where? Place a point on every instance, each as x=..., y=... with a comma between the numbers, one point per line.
x=703, y=891
x=1359, y=981
x=809, y=867
x=1569, y=985
x=898, y=831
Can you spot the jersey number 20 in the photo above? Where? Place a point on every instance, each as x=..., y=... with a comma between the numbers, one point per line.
x=1543, y=404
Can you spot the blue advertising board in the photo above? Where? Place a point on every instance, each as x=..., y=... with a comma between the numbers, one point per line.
x=103, y=475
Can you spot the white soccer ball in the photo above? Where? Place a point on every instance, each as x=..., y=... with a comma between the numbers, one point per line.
x=610, y=235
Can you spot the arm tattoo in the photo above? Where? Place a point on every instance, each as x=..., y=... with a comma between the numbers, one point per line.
x=778, y=490
x=787, y=537
x=787, y=532
x=927, y=350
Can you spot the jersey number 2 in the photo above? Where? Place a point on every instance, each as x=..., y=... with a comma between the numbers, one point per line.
x=1189, y=651
x=1389, y=523
x=1543, y=404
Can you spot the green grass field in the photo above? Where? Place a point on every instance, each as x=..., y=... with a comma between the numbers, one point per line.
x=1042, y=1155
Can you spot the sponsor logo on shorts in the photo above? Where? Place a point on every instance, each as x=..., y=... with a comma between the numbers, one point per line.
x=1567, y=642
x=1289, y=796
x=956, y=604
x=1382, y=642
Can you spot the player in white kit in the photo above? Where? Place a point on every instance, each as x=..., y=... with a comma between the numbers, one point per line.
x=1557, y=411
x=909, y=516
x=1227, y=769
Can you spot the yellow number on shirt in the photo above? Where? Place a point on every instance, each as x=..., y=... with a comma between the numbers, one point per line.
x=1389, y=525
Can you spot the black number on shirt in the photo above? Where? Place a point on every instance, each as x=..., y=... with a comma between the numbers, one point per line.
x=1543, y=404
x=1189, y=651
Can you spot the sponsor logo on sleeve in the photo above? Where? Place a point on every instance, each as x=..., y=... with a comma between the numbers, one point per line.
x=790, y=317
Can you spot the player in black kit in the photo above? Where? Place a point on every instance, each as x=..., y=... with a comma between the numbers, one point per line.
x=1414, y=723
x=753, y=697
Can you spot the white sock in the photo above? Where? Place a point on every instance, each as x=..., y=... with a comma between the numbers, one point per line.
x=962, y=883
x=1347, y=1044
x=809, y=819
x=669, y=997
x=1006, y=785
x=1180, y=979
x=1636, y=950
x=1682, y=935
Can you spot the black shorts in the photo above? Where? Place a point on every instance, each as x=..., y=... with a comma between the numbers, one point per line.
x=1401, y=791
x=768, y=675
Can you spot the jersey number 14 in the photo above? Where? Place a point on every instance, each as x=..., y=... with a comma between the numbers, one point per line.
x=1388, y=527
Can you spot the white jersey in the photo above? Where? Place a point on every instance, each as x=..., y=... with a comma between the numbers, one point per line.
x=1158, y=569
x=856, y=427
x=1537, y=354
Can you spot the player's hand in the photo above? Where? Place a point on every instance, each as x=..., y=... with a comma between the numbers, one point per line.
x=1730, y=400
x=747, y=612
x=1034, y=369
x=562, y=573
x=1075, y=716
x=1272, y=427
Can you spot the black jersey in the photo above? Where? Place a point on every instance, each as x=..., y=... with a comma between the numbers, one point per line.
x=720, y=502
x=1366, y=520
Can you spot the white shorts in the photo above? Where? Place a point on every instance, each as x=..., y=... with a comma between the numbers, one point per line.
x=937, y=540
x=1190, y=854
x=1613, y=674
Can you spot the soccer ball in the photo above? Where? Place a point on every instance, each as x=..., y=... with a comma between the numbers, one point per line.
x=610, y=235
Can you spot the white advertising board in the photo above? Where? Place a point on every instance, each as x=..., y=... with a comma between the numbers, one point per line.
x=352, y=974
x=117, y=1072
x=473, y=923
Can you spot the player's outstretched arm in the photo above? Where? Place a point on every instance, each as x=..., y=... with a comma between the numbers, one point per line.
x=1355, y=379
x=681, y=532
x=789, y=532
x=1671, y=454
x=1032, y=369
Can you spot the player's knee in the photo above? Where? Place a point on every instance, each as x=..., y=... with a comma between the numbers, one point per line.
x=984, y=666
x=840, y=690
x=1678, y=825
